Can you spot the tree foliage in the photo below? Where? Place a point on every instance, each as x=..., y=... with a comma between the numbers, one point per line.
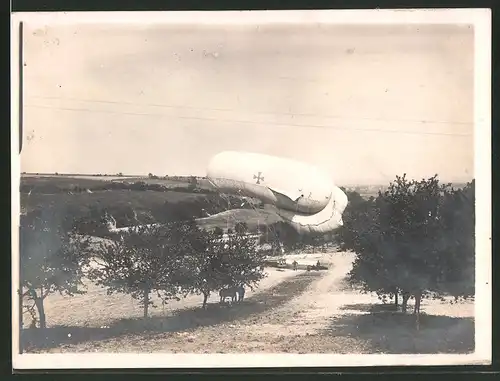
x=416, y=238
x=218, y=263
x=193, y=182
x=174, y=260
x=280, y=235
x=146, y=259
x=241, y=227
x=51, y=260
x=218, y=231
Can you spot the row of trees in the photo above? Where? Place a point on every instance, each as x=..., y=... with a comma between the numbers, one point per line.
x=416, y=239
x=171, y=261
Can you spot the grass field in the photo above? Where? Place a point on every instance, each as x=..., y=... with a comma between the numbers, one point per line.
x=137, y=199
x=91, y=182
x=63, y=182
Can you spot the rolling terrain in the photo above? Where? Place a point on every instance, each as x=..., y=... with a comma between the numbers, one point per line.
x=79, y=195
x=290, y=311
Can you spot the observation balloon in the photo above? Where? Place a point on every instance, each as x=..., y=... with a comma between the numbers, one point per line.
x=304, y=195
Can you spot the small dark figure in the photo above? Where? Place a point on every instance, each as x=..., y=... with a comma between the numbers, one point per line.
x=308, y=268
x=318, y=264
x=241, y=292
x=294, y=265
x=227, y=293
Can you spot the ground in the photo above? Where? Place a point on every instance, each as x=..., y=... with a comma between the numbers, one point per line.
x=290, y=312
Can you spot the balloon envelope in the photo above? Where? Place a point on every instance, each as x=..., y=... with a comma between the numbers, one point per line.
x=303, y=194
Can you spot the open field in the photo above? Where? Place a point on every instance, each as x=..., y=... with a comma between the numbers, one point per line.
x=91, y=182
x=140, y=200
x=291, y=312
x=63, y=182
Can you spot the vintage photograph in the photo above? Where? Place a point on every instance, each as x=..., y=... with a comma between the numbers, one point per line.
x=270, y=186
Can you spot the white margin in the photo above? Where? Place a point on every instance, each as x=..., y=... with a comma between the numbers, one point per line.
x=481, y=21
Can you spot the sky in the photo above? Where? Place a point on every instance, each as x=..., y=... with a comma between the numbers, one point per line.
x=366, y=103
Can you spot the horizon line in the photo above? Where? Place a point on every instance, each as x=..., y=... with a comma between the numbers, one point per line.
x=123, y=175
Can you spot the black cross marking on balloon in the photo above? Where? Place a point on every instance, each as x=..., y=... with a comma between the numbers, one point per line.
x=258, y=177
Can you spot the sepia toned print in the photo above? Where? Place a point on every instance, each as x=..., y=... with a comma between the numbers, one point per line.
x=255, y=188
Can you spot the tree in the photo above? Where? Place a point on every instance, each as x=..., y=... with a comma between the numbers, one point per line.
x=218, y=231
x=410, y=240
x=95, y=222
x=193, y=183
x=199, y=270
x=147, y=259
x=360, y=234
x=219, y=262
x=241, y=227
x=52, y=260
x=282, y=234
x=458, y=241
x=262, y=228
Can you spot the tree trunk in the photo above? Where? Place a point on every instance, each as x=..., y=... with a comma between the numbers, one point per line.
x=396, y=301
x=39, y=306
x=418, y=299
x=41, y=313
x=404, y=305
x=205, y=298
x=145, y=301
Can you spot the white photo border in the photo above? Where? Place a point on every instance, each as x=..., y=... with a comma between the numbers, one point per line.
x=480, y=19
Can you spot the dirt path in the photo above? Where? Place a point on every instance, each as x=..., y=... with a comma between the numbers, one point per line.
x=292, y=311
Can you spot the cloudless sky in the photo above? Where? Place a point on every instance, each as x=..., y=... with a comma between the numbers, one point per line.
x=365, y=103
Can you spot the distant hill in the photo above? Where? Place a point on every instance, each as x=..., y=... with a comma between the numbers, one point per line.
x=136, y=200
x=367, y=191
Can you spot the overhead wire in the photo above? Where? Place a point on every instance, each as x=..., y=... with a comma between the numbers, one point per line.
x=327, y=116
x=327, y=127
